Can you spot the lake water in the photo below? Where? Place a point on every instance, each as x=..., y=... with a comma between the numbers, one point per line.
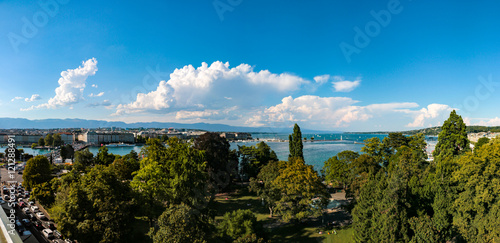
x=316, y=152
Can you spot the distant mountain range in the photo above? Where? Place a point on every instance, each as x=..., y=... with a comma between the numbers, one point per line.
x=22, y=123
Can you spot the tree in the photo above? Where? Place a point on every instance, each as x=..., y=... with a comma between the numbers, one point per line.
x=239, y=225
x=477, y=206
x=174, y=175
x=49, y=140
x=45, y=192
x=182, y=224
x=124, y=167
x=36, y=172
x=264, y=184
x=97, y=207
x=67, y=152
x=34, y=145
x=41, y=142
x=452, y=139
x=480, y=142
x=253, y=158
x=103, y=157
x=299, y=184
x=295, y=143
x=83, y=159
x=57, y=140
x=337, y=168
x=217, y=156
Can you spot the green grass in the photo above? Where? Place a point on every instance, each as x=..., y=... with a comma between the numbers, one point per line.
x=345, y=235
x=243, y=199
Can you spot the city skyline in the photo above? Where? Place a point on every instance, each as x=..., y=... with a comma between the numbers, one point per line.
x=384, y=66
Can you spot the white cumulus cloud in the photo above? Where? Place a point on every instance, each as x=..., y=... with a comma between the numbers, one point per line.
x=17, y=98
x=327, y=112
x=209, y=87
x=96, y=95
x=433, y=115
x=71, y=86
x=33, y=98
x=342, y=85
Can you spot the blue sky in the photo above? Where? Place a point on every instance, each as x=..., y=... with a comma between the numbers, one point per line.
x=252, y=63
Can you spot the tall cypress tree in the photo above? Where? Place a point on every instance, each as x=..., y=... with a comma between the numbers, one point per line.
x=295, y=143
x=452, y=139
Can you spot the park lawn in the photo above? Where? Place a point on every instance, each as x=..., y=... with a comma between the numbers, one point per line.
x=243, y=199
x=345, y=235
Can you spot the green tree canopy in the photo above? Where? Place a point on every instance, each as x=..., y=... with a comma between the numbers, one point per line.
x=480, y=142
x=67, y=152
x=253, y=158
x=303, y=192
x=83, y=159
x=295, y=143
x=36, y=172
x=103, y=157
x=477, y=207
x=49, y=140
x=182, y=224
x=171, y=175
x=452, y=139
x=41, y=141
x=95, y=208
x=239, y=225
x=57, y=140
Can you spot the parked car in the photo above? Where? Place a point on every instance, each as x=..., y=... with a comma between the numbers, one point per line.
x=26, y=222
x=26, y=232
x=35, y=209
x=49, y=225
x=31, y=216
x=38, y=224
x=41, y=216
x=48, y=233
x=31, y=203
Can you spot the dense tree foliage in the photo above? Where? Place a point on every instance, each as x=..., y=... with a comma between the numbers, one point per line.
x=83, y=159
x=182, y=224
x=95, y=207
x=295, y=143
x=292, y=189
x=477, y=206
x=253, y=158
x=337, y=168
x=172, y=175
x=480, y=142
x=67, y=152
x=103, y=157
x=36, y=172
x=217, y=155
x=49, y=140
x=41, y=141
x=452, y=139
x=125, y=166
x=240, y=226
x=57, y=140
